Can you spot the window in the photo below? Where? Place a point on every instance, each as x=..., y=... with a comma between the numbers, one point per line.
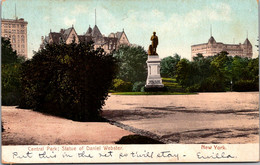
x=9, y=25
x=6, y=26
x=22, y=46
x=13, y=25
x=13, y=31
x=13, y=39
x=14, y=46
x=22, y=31
x=22, y=50
x=22, y=39
x=5, y=31
x=22, y=26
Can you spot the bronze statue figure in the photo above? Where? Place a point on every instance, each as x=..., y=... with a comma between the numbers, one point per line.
x=152, y=48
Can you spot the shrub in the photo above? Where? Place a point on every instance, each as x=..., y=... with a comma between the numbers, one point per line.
x=143, y=89
x=156, y=89
x=71, y=81
x=122, y=86
x=138, y=86
x=212, y=85
x=246, y=85
x=194, y=88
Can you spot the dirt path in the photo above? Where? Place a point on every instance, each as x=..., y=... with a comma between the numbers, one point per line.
x=27, y=127
x=203, y=118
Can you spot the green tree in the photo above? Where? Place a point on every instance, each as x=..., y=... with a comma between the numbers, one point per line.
x=183, y=72
x=71, y=81
x=10, y=74
x=168, y=65
x=219, y=74
x=253, y=69
x=239, y=68
x=200, y=68
x=9, y=56
x=132, y=63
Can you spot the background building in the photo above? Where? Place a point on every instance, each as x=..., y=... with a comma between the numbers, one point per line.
x=16, y=31
x=109, y=43
x=212, y=48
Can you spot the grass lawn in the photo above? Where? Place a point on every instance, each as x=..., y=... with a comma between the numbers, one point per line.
x=151, y=93
x=172, y=86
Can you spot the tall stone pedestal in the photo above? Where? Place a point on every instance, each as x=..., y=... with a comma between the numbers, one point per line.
x=154, y=79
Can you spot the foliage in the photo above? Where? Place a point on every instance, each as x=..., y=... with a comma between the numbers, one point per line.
x=183, y=72
x=156, y=89
x=121, y=86
x=11, y=84
x=71, y=81
x=168, y=65
x=246, y=85
x=10, y=74
x=138, y=86
x=218, y=73
x=132, y=63
x=172, y=85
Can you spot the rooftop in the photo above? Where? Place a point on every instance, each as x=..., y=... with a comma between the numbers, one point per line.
x=21, y=20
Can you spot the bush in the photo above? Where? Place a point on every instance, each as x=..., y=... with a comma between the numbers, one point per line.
x=246, y=85
x=212, y=85
x=122, y=86
x=138, y=86
x=143, y=89
x=156, y=89
x=194, y=88
x=71, y=81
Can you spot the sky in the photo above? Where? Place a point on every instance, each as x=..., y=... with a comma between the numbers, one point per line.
x=178, y=23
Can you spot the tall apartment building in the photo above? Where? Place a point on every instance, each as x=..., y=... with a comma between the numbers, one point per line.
x=108, y=43
x=212, y=48
x=16, y=31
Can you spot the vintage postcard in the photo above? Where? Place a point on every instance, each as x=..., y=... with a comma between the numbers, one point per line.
x=107, y=81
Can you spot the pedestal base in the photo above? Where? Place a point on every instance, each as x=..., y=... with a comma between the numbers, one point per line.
x=154, y=79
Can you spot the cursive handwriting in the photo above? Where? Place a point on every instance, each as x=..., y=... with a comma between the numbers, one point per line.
x=214, y=156
x=108, y=154
x=167, y=154
x=142, y=155
x=45, y=155
x=82, y=154
x=27, y=155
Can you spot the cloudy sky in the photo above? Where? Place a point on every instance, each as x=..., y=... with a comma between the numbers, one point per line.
x=178, y=23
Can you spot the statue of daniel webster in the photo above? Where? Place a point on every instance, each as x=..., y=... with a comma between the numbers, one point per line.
x=152, y=48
